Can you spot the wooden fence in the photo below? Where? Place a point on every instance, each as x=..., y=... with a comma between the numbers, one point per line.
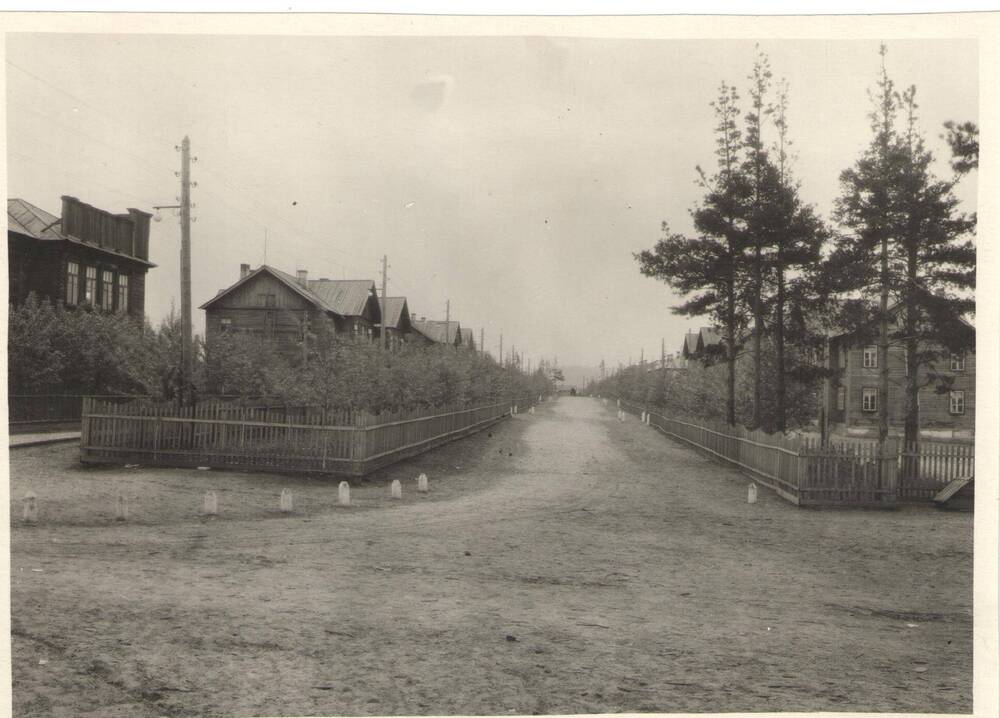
x=275, y=438
x=805, y=472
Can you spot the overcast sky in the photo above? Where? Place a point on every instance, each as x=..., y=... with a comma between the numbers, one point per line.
x=513, y=176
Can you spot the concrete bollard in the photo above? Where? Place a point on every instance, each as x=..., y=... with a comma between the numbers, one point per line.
x=396, y=489
x=531, y=411
x=121, y=508
x=422, y=484
x=30, y=511
x=752, y=493
x=285, y=502
x=619, y=403
x=210, y=504
x=539, y=398
x=344, y=494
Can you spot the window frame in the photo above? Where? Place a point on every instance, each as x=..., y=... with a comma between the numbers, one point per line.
x=957, y=362
x=958, y=394
x=90, y=285
x=72, y=282
x=841, y=401
x=869, y=351
x=869, y=392
x=225, y=324
x=122, y=292
x=107, y=290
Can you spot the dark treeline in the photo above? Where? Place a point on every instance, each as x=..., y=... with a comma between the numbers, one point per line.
x=775, y=279
x=54, y=350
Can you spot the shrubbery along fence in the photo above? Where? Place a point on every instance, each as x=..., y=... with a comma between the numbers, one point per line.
x=274, y=438
x=805, y=472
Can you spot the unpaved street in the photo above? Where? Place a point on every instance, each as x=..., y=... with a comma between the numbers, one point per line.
x=569, y=564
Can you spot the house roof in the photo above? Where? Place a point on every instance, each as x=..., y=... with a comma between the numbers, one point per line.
x=467, y=337
x=438, y=331
x=283, y=277
x=690, y=345
x=397, y=313
x=346, y=297
x=31, y=221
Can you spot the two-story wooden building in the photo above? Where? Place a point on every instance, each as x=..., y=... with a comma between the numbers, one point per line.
x=271, y=303
x=85, y=257
x=851, y=396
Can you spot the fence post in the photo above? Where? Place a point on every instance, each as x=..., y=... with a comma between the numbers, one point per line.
x=889, y=470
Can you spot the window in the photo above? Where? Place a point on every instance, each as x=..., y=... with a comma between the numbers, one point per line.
x=958, y=362
x=225, y=324
x=841, y=397
x=123, y=293
x=90, y=285
x=956, y=402
x=869, y=399
x=265, y=300
x=107, y=290
x=72, y=282
x=869, y=358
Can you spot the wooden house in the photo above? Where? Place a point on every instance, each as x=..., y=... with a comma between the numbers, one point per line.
x=698, y=345
x=271, y=303
x=85, y=257
x=439, y=332
x=398, y=327
x=851, y=396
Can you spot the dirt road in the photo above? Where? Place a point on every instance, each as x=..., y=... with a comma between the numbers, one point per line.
x=565, y=563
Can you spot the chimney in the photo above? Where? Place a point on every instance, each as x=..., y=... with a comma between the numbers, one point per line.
x=303, y=277
x=244, y=270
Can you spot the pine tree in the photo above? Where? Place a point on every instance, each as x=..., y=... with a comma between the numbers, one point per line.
x=899, y=214
x=712, y=265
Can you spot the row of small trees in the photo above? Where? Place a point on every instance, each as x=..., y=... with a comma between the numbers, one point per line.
x=56, y=350
x=766, y=269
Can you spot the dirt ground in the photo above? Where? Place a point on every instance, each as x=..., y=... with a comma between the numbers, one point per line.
x=562, y=563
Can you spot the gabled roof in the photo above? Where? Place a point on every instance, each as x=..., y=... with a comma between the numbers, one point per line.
x=438, y=331
x=467, y=337
x=31, y=221
x=346, y=297
x=25, y=218
x=707, y=337
x=690, y=346
x=397, y=313
x=286, y=279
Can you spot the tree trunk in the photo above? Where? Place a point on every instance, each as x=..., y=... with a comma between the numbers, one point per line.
x=883, y=347
x=911, y=422
x=731, y=355
x=780, y=419
x=758, y=330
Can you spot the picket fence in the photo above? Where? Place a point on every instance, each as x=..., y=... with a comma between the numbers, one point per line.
x=808, y=473
x=272, y=437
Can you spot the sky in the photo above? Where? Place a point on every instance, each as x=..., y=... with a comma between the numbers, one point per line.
x=513, y=176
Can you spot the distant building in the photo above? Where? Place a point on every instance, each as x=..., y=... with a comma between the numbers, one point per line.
x=85, y=257
x=700, y=344
x=439, y=332
x=269, y=302
x=398, y=327
x=851, y=396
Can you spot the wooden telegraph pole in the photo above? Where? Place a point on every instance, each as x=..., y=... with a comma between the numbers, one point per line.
x=385, y=339
x=187, y=359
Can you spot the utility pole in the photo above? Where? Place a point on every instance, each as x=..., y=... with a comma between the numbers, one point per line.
x=187, y=360
x=663, y=352
x=482, y=346
x=447, y=321
x=501, y=349
x=385, y=339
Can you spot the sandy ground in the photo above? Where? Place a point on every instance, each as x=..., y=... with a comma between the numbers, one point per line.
x=564, y=563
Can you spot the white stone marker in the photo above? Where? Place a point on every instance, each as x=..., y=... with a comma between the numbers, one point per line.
x=30, y=513
x=396, y=489
x=344, y=494
x=121, y=508
x=531, y=411
x=619, y=403
x=210, y=504
x=285, y=503
x=422, y=484
x=752, y=493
